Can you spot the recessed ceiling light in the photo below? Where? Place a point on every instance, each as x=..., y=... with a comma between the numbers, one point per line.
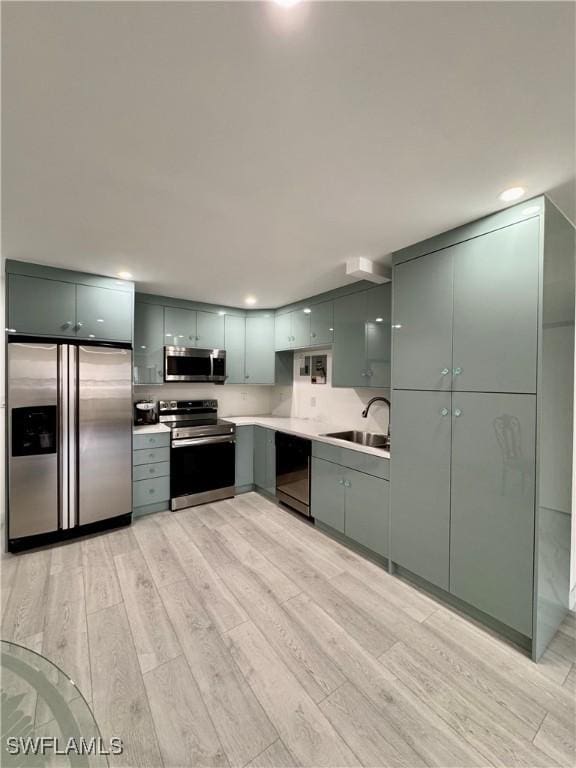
x=125, y=275
x=221, y=313
x=287, y=3
x=330, y=329
x=307, y=311
x=531, y=210
x=250, y=300
x=379, y=319
x=514, y=193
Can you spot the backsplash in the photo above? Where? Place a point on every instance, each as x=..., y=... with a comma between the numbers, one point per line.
x=304, y=400
x=233, y=399
x=322, y=402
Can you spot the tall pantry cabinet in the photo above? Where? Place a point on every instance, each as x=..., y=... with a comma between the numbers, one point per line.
x=482, y=378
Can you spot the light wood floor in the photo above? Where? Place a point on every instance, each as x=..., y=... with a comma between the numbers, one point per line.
x=235, y=634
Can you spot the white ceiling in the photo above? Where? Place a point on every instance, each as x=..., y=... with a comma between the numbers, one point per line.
x=219, y=149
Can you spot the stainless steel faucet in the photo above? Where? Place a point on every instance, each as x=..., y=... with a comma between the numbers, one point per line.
x=376, y=400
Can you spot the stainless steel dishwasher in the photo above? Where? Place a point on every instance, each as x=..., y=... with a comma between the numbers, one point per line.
x=293, y=472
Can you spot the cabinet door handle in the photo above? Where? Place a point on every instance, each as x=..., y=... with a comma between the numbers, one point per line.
x=445, y=371
x=347, y=483
x=246, y=375
x=151, y=470
x=457, y=371
x=79, y=325
x=151, y=490
x=444, y=412
x=341, y=481
x=457, y=412
x=67, y=324
x=313, y=335
x=363, y=373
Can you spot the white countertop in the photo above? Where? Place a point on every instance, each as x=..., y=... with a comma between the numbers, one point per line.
x=313, y=430
x=148, y=429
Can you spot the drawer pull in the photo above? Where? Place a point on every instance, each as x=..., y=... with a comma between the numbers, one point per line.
x=151, y=470
x=152, y=490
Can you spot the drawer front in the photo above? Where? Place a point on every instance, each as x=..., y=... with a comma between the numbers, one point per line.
x=363, y=462
x=148, y=471
x=151, y=491
x=151, y=456
x=327, y=452
x=154, y=440
x=366, y=462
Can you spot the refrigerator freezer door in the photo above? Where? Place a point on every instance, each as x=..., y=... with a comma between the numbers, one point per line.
x=32, y=439
x=105, y=433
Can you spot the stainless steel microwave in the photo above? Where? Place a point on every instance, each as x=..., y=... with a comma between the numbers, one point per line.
x=191, y=364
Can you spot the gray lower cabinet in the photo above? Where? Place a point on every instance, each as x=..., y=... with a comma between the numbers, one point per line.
x=265, y=459
x=354, y=503
x=244, y=456
x=103, y=313
x=151, y=472
x=422, y=325
x=420, y=477
x=367, y=510
x=492, y=510
x=40, y=306
x=327, y=493
x=260, y=361
x=148, y=343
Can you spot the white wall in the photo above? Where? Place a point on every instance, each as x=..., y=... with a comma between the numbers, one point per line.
x=233, y=399
x=573, y=537
x=335, y=406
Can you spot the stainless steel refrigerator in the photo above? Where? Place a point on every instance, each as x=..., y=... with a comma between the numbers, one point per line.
x=69, y=438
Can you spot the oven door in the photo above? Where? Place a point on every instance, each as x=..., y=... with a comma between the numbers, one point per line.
x=202, y=469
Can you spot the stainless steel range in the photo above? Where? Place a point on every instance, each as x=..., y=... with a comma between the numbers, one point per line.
x=202, y=452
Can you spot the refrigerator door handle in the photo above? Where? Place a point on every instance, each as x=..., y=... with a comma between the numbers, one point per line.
x=72, y=435
x=63, y=444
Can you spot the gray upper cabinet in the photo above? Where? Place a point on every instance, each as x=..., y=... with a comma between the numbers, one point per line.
x=44, y=305
x=492, y=515
x=422, y=324
x=466, y=317
x=322, y=323
x=148, y=343
x=378, y=336
x=209, y=330
x=40, y=306
x=283, y=331
x=300, y=326
x=362, y=339
x=103, y=313
x=180, y=327
x=420, y=480
x=496, y=310
x=260, y=362
x=234, y=344
x=349, y=358
x=292, y=329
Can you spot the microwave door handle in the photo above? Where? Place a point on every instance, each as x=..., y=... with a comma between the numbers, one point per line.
x=192, y=441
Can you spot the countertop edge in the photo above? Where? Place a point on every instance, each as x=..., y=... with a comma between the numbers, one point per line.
x=275, y=422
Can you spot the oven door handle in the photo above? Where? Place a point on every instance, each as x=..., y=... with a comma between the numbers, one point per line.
x=187, y=442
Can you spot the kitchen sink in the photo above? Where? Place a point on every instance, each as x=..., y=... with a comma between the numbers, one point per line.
x=372, y=439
